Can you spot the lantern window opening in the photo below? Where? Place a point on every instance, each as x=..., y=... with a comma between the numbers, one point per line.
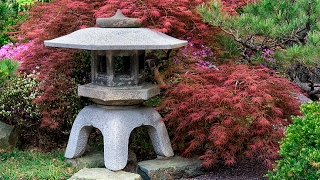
x=122, y=65
x=102, y=64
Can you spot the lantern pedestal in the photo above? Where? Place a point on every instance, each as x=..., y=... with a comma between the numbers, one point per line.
x=116, y=124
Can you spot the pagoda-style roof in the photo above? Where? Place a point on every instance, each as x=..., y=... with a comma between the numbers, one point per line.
x=116, y=33
x=96, y=38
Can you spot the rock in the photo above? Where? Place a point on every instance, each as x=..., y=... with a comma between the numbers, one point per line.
x=132, y=162
x=302, y=98
x=104, y=174
x=307, y=78
x=8, y=137
x=169, y=169
x=94, y=158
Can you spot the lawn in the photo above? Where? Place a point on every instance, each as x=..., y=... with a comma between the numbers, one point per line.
x=33, y=164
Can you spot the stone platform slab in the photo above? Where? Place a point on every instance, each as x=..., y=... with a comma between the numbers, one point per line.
x=170, y=168
x=104, y=174
x=156, y=169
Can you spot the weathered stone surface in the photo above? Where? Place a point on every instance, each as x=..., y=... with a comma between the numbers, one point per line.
x=104, y=174
x=302, y=98
x=116, y=126
x=8, y=136
x=124, y=95
x=118, y=20
x=169, y=169
x=93, y=158
x=307, y=78
x=96, y=38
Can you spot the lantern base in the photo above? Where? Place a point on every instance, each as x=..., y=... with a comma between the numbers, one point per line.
x=120, y=95
x=116, y=124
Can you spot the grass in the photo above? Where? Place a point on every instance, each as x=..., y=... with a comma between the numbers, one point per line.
x=34, y=165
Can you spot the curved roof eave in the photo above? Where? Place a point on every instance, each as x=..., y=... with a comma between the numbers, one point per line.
x=116, y=39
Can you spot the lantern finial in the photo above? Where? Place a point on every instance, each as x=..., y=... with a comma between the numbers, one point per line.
x=117, y=21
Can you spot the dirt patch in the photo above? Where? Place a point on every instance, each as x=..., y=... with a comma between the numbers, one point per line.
x=243, y=170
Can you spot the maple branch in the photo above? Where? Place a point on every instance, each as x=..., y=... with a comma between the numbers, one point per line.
x=149, y=11
x=152, y=61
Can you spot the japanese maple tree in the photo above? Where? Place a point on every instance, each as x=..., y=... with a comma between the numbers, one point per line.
x=229, y=111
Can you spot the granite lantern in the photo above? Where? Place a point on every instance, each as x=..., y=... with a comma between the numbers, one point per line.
x=117, y=87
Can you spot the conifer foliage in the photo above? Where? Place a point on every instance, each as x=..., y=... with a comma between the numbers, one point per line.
x=223, y=114
x=269, y=25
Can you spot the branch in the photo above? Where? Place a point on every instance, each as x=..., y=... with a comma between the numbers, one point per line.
x=236, y=38
x=152, y=62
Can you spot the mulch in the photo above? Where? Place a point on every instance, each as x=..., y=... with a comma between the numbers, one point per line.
x=243, y=170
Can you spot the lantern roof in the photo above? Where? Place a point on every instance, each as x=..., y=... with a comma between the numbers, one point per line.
x=116, y=33
x=96, y=38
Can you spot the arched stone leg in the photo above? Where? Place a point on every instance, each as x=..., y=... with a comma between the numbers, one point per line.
x=158, y=133
x=116, y=142
x=160, y=140
x=78, y=137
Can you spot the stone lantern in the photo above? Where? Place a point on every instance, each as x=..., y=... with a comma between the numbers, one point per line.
x=117, y=87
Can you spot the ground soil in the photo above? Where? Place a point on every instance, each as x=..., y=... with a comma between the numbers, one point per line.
x=243, y=170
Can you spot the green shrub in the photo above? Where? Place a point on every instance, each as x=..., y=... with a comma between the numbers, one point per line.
x=8, y=16
x=300, y=149
x=7, y=69
x=25, y=4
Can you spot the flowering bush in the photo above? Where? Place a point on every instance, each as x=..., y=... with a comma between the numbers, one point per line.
x=195, y=50
x=267, y=54
x=15, y=51
x=16, y=97
x=16, y=108
x=197, y=53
